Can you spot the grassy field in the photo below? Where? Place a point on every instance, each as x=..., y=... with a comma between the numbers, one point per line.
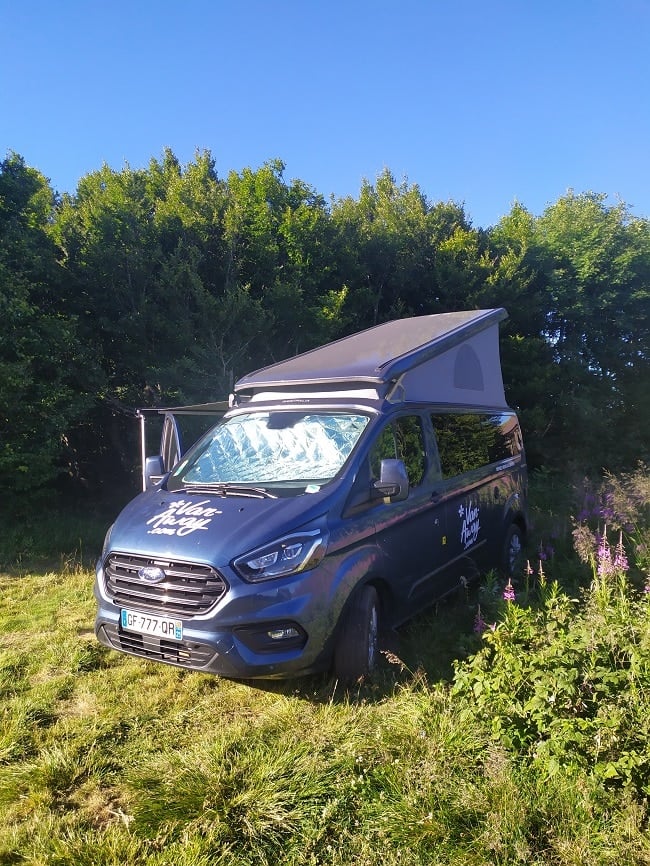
x=527, y=743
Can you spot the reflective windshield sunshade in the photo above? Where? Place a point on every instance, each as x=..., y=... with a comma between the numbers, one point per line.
x=266, y=447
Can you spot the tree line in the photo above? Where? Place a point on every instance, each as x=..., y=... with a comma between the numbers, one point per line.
x=163, y=285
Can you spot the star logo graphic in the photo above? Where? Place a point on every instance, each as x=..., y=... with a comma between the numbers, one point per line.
x=461, y=511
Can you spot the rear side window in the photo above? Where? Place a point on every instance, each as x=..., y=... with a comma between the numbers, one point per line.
x=470, y=440
x=402, y=438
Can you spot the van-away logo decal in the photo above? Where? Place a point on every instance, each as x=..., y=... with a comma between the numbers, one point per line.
x=470, y=515
x=182, y=517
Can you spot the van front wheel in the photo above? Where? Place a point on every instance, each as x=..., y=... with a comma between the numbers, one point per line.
x=357, y=646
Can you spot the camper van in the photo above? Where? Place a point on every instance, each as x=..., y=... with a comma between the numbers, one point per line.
x=340, y=492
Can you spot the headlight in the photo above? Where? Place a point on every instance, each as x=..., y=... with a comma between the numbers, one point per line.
x=288, y=555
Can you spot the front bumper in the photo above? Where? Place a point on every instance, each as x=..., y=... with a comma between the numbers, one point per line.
x=232, y=639
x=221, y=653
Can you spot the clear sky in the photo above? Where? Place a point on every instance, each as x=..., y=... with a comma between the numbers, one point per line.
x=482, y=103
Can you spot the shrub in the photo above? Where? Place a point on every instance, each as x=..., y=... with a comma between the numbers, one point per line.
x=565, y=683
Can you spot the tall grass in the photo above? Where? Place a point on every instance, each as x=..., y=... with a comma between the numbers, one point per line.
x=525, y=741
x=50, y=540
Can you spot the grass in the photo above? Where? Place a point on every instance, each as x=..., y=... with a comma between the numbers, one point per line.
x=525, y=745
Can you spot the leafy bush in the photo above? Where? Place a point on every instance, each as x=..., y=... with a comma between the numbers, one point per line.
x=565, y=683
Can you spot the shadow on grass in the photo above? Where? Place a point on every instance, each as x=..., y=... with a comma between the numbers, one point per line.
x=54, y=543
x=424, y=649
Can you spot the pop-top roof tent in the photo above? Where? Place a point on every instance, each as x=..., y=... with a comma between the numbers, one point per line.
x=448, y=358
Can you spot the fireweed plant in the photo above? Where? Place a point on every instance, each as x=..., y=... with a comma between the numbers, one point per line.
x=563, y=682
x=612, y=528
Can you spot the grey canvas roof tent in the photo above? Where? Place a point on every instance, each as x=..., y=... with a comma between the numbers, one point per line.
x=448, y=358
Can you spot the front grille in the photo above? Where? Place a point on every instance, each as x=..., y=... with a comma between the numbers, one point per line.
x=184, y=653
x=187, y=590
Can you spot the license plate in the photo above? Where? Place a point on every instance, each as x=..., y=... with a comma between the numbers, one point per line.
x=146, y=623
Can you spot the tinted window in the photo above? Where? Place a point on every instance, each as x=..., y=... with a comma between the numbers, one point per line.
x=402, y=438
x=467, y=441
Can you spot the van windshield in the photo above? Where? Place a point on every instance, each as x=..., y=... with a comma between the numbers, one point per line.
x=285, y=449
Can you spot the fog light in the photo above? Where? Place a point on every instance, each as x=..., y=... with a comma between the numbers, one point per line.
x=278, y=637
x=283, y=633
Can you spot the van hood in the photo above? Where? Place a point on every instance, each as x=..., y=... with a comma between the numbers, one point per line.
x=208, y=528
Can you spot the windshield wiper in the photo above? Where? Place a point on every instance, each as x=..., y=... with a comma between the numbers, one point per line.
x=227, y=489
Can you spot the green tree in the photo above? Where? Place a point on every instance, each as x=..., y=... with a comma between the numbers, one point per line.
x=460, y=260
x=210, y=320
x=385, y=252
x=46, y=376
x=163, y=285
x=278, y=239
x=109, y=248
x=597, y=265
x=531, y=376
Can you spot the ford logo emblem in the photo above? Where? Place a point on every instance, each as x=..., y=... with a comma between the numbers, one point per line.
x=151, y=574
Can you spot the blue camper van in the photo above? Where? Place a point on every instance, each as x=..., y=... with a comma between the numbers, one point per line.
x=342, y=491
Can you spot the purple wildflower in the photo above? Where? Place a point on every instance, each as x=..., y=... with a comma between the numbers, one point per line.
x=590, y=508
x=604, y=557
x=621, y=564
x=508, y=592
x=611, y=563
x=479, y=622
x=529, y=569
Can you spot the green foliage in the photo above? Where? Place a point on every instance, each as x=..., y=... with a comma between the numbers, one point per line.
x=383, y=240
x=565, y=682
x=595, y=262
x=46, y=377
x=565, y=686
x=279, y=246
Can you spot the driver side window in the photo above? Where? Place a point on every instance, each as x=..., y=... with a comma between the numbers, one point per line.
x=402, y=438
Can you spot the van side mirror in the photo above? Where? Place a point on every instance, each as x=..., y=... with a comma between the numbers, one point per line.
x=153, y=471
x=393, y=480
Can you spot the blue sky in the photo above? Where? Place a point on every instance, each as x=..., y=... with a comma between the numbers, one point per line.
x=481, y=103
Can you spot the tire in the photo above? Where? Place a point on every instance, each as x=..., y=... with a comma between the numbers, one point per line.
x=512, y=556
x=357, y=647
